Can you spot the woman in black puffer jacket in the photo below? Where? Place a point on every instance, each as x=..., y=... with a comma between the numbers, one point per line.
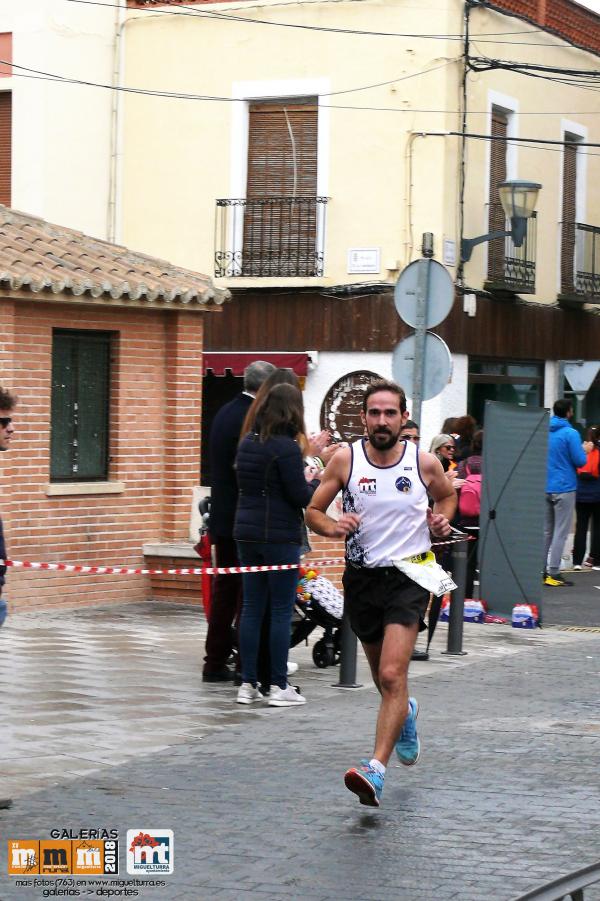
x=273, y=490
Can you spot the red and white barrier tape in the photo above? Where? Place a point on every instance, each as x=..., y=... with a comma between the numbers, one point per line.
x=134, y=571
x=184, y=571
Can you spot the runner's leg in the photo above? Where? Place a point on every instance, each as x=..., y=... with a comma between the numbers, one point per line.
x=398, y=644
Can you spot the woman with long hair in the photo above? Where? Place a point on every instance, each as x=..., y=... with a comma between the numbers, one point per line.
x=273, y=490
x=277, y=377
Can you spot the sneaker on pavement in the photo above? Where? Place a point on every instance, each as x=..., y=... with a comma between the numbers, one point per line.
x=556, y=581
x=408, y=746
x=588, y=563
x=248, y=694
x=365, y=782
x=285, y=697
x=577, y=567
x=291, y=667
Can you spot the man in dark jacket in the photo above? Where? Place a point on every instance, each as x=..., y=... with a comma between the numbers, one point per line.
x=227, y=591
x=7, y=404
x=565, y=454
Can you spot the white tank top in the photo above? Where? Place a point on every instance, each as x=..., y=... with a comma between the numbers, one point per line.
x=392, y=501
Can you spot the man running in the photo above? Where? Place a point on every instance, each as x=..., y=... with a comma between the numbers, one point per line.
x=386, y=517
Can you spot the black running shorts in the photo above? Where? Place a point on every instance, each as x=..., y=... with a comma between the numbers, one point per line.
x=374, y=598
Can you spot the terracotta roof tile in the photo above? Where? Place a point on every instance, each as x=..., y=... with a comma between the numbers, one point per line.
x=36, y=256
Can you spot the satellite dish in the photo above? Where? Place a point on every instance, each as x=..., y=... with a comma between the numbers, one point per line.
x=437, y=369
x=441, y=293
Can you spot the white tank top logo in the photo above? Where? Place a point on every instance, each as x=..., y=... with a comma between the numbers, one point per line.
x=367, y=486
x=392, y=503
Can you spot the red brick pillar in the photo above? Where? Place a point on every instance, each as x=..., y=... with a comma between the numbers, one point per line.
x=182, y=421
x=541, y=16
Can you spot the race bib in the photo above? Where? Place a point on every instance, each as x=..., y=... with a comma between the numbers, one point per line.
x=426, y=572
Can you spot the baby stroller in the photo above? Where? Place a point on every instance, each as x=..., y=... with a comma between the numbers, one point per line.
x=318, y=603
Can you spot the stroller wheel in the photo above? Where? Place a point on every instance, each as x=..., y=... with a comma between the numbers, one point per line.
x=323, y=654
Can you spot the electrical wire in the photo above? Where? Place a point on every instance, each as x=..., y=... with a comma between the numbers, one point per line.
x=213, y=14
x=532, y=143
x=151, y=92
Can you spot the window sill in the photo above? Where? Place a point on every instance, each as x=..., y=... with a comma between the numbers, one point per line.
x=63, y=489
x=182, y=549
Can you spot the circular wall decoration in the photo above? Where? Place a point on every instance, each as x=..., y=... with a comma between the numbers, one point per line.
x=341, y=409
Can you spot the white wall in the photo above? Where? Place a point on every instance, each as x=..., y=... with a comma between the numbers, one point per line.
x=332, y=366
x=61, y=132
x=550, y=382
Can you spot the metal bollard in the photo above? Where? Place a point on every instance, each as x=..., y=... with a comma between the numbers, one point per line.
x=457, y=604
x=348, y=645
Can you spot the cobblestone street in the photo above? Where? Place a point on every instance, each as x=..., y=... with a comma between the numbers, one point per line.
x=107, y=724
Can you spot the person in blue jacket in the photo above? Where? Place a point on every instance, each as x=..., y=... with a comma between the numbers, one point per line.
x=274, y=487
x=566, y=454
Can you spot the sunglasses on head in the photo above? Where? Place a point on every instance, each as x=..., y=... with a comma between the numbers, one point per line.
x=5, y=421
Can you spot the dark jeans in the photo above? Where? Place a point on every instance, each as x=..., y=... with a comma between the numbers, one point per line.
x=261, y=589
x=225, y=608
x=585, y=512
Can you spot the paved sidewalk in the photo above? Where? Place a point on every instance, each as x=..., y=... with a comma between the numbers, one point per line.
x=107, y=724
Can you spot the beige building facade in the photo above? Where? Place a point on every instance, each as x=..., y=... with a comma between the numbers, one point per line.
x=302, y=150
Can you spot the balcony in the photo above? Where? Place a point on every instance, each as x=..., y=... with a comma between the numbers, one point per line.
x=511, y=269
x=270, y=237
x=580, y=264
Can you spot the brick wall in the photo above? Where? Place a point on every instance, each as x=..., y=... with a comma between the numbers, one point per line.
x=327, y=548
x=565, y=18
x=154, y=447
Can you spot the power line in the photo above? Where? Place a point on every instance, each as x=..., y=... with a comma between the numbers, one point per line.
x=39, y=75
x=151, y=92
x=213, y=14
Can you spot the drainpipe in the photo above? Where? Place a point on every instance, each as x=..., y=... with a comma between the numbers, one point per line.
x=115, y=124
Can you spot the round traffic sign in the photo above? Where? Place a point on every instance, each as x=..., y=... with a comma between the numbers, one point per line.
x=437, y=368
x=441, y=293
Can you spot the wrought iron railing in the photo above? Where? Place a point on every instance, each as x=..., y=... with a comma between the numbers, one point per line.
x=580, y=265
x=570, y=886
x=512, y=268
x=280, y=236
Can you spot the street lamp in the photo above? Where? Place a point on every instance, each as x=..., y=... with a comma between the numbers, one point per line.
x=518, y=200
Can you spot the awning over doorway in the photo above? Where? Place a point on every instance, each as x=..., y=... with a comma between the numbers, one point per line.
x=218, y=362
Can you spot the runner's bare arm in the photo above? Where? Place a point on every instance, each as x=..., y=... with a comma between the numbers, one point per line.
x=442, y=492
x=333, y=480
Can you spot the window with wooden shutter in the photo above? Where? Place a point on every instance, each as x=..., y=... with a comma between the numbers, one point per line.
x=569, y=215
x=280, y=222
x=497, y=219
x=79, y=406
x=5, y=147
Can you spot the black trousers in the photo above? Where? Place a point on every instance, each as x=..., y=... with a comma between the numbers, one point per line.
x=585, y=513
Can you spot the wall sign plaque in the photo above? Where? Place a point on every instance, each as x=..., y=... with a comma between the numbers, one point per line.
x=341, y=408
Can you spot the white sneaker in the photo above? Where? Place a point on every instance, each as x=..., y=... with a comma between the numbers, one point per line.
x=291, y=667
x=285, y=697
x=248, y=694
x=577, y=567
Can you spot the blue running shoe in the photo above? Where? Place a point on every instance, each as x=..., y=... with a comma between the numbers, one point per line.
x=408, y=746
x=365, y=782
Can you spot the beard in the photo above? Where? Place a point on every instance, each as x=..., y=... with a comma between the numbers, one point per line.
x=383, y=439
